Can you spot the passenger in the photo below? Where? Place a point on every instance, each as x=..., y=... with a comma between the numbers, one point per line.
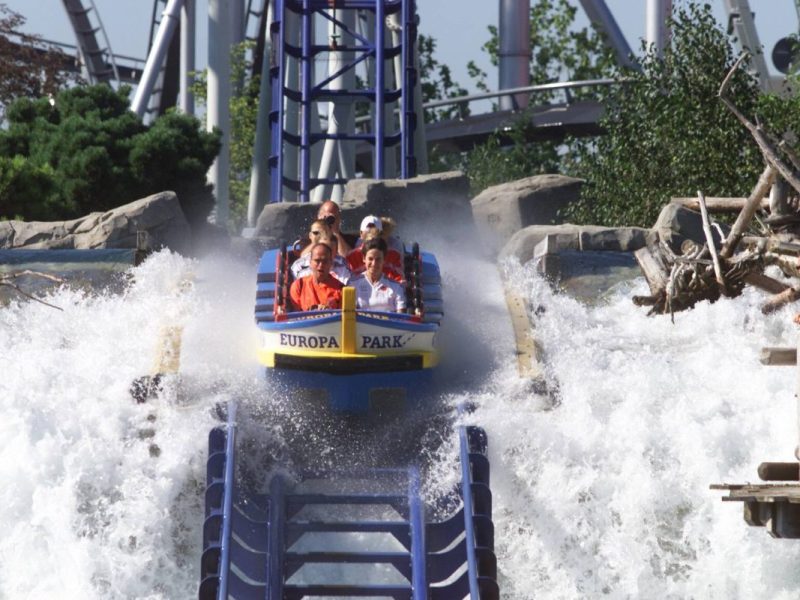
x=318, y=228
x=302, y=266
x=372, y=228
x=395, y=251
x=330, y=213
x=318, y=290
x=373, y=290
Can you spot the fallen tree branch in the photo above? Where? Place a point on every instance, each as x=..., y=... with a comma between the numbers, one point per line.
x=780, y=300
x=8, y=281
x=717, y=204
x=768, y=150
x=710, y=241
x=759, y=192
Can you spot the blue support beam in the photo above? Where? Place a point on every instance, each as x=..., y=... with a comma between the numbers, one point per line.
x=311, y=95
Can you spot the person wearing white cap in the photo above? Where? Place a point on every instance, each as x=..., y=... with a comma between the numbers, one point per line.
x=369, y=222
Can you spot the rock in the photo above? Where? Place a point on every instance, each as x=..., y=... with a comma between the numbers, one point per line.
x=437, y=200
x=502, y=210
x=577, y=237
x=159, y=215
x=677, y=223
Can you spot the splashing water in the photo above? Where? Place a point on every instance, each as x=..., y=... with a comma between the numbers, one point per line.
x=605, y=493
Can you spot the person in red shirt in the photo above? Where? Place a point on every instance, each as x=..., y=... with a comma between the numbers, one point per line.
x=372, y=228
x=319, y=290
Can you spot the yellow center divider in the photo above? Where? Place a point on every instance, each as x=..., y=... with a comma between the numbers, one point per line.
x=349, y=320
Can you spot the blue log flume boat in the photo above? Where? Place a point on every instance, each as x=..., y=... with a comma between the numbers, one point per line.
x=357, y=361
x=281, y=533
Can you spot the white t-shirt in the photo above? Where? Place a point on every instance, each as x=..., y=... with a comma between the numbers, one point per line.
x=302, y=267
x=385, y=295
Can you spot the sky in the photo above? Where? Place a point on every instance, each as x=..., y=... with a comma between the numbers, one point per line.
x=459, y=26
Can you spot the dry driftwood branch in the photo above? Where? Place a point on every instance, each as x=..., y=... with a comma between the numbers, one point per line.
x=768, y=149
x=710, y=241
x=8, y=281
x=780, y=300
x=759, y=192
x=790, y=153
x=716, y=204
x=778, y=356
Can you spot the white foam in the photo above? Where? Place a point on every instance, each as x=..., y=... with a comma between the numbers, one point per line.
x=605, y=494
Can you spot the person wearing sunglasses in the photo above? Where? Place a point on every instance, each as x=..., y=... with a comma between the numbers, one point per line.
x=330, y=213
x=339, y=269
x=318, y=229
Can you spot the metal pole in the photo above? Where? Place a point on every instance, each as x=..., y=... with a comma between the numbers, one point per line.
x=602, y=18
x=514, y=53
x=259, y=171
x=307, y=63
x=218, y=99
x=155, y=59
x=657, y=30
x=291, y=35
x=185, y=97
x=420, y=142
x=237, y=21
x=380, y=83
x=400, y=35
x=340, y=111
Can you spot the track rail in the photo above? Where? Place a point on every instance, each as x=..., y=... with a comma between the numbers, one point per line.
x=268, y=546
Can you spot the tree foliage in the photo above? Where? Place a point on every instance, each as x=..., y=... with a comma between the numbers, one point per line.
x=560, y=51
x=85, y=151
x=667, y=132
x=243, y=107
x=30, y=68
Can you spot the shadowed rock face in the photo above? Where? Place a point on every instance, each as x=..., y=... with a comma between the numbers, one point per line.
x=441, y=198
x=502, y=210
x=160, y=215
x=576, y=237
x=677, y=223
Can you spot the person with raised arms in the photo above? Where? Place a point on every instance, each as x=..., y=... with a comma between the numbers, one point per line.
x=330, y=213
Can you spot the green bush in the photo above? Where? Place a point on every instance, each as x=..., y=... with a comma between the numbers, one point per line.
x=668, y=134
x=96, y=154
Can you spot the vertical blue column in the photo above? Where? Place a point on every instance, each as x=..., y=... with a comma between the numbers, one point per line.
x=277, y=77
x=277, y=539
x=406, y=94
x=306, y=85
x=380, y=86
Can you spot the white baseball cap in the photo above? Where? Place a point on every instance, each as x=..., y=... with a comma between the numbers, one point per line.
x=371, y=221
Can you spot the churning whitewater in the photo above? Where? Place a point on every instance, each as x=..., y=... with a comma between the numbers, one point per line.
x=600, y=489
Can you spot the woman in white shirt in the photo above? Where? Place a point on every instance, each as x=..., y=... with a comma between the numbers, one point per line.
x=373, y=290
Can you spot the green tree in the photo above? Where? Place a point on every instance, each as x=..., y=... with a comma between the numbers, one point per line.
x=667, y=132
x=96, y=155
x=436, y=83
x=243, y=107
x=560, y=51
x=30, y=68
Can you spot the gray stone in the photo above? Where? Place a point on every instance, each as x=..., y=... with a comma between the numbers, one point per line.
x=502, y=210
x=576, y=237
x=439, y=200
x=160, y=215
x=677, y=223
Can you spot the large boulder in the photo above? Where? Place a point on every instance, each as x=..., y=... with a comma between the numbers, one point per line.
x=502, y=210
x=439, y=200
x=676, y=223
x=576, y=237
x=159, y=215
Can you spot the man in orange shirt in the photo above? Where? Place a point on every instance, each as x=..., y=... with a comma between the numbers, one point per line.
x=320, y=290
